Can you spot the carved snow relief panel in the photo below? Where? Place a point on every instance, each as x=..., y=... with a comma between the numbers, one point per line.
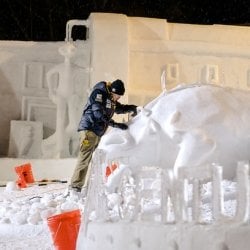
x=25, y=139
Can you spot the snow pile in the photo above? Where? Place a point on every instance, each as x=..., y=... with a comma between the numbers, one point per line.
x=35, y=209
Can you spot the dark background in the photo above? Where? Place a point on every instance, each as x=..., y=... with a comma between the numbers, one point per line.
x=45, y=20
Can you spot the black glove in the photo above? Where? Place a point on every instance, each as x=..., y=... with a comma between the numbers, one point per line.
x=133, y=109
x=122, y=126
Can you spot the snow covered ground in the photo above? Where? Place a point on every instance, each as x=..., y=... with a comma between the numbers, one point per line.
x=23, y=213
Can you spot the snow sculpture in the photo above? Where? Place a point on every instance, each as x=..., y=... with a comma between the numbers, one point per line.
x=187, y=126
x=172, y=197
x=68, y=100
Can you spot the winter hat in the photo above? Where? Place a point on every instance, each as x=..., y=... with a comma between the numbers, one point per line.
x=117, y=87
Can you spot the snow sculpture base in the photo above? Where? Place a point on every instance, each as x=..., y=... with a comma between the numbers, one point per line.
x=135, y=236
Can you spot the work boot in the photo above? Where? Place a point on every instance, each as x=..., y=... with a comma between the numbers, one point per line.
x=72, y=192
x=84, y=192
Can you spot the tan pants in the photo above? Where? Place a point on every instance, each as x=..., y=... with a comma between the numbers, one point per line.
x=88, y=143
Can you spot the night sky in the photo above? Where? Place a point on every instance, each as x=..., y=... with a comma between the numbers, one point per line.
x=45, y=20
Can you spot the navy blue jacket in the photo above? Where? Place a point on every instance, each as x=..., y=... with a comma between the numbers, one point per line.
x=99, y=110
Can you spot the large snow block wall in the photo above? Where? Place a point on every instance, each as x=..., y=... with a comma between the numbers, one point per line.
x=187, y=53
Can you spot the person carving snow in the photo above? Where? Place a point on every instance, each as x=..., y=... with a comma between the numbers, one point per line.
x=97, y=116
